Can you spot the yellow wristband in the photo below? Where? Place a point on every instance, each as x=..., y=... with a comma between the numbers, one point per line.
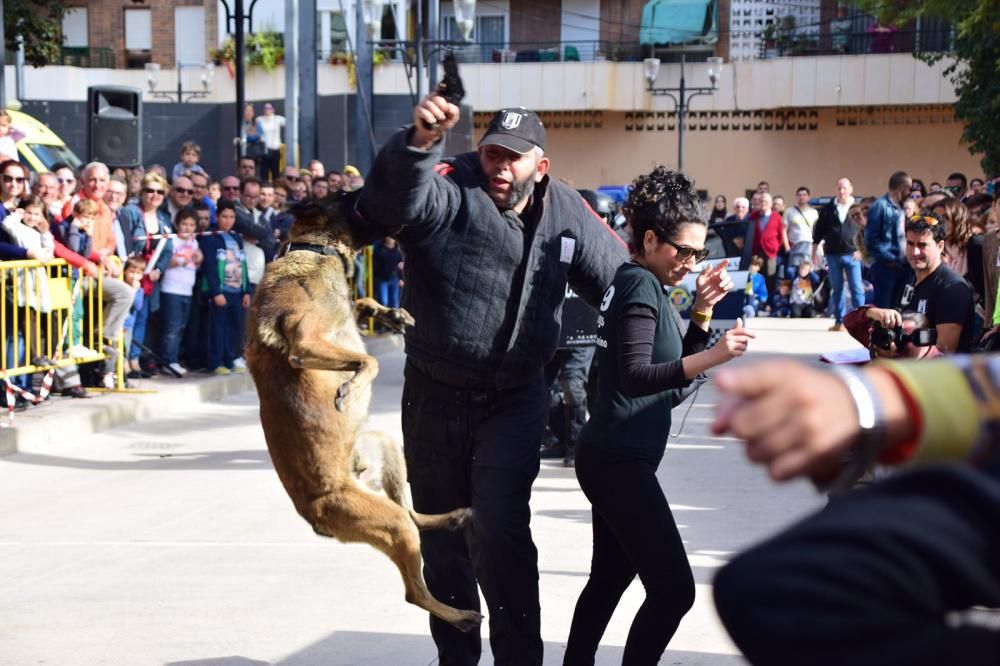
x=701, y=316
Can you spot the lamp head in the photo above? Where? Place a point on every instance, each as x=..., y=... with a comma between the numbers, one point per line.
x=465, y=17
x=650, y=69
x=372, y=10
x=714, y=70
x=152, y=74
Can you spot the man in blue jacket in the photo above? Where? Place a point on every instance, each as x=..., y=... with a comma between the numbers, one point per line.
x=491, y=243
x=886, y=241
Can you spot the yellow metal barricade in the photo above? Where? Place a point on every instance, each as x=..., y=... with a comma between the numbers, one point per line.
x=48, y=318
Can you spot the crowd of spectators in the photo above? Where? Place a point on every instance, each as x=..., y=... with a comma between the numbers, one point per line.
x=830, y=255
x=180, y=253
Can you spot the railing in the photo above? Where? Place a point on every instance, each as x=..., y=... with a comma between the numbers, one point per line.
x=44, y=314
x=873, y=40
x=85, y=56
x=548, y=51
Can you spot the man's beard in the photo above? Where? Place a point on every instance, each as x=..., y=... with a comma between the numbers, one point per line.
x=517, y=193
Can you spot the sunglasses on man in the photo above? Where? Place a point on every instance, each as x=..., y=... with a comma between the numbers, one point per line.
x=183, y=190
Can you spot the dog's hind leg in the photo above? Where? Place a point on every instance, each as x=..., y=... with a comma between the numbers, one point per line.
x=354, y=515
x=314, y=352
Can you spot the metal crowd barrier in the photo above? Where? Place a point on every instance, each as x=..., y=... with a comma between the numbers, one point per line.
x=45, y=313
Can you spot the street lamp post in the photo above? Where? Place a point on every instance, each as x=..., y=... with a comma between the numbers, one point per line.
x=681, y=95
x=207, y=76
x=369, y=17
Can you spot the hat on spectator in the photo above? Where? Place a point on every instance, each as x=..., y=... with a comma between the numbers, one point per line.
x=516, y=129
x=351, y=171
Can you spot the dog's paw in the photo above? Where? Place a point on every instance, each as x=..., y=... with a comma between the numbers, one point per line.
x=343, y=391
x=467, y=621
x=460, y=518
x=397, y=319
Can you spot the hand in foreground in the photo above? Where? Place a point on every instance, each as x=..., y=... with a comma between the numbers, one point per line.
x=219, y=300
x=432, y=118
x=794, y=419
x=712, y=285
x=733, y=343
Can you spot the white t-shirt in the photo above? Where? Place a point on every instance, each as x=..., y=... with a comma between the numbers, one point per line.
x=800, y=223
x=255, y=262
x=270, y=130
x=179, y=280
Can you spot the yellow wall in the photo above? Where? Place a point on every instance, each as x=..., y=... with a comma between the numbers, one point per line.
x=922, y=141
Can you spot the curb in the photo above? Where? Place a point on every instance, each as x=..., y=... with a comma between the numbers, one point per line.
x=49, y=427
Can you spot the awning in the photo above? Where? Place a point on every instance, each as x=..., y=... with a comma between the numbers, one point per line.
x=679, y=22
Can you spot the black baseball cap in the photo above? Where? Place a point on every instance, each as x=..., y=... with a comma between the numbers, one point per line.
x=516, y=129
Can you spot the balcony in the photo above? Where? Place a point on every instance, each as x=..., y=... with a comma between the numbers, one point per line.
x=778, y=43
x=85, y=56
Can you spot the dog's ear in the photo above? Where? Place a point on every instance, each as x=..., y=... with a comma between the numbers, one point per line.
x=309, y=216
x=363, y=232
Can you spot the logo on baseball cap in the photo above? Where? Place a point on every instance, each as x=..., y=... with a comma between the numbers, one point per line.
x=516, y=129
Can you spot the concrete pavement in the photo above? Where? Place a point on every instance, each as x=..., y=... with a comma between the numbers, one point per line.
x=171, y=541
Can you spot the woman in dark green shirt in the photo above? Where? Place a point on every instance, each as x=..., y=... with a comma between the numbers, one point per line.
x=644, y=362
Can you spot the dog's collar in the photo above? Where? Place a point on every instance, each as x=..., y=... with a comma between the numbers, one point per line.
x=325, y=250
x=336, y=249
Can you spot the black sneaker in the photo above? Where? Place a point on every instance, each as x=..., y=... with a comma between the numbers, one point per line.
x=570, y=459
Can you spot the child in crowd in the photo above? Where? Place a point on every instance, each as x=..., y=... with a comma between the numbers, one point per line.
x=781, y=302
x=225, y=283
x=215, y=192
x=255, y=273
x=8, y=149
x=177, y=285
x=190, y=154
x=387, y=267
x=28, y=227
x=75, y=233
x=132, y=276
x=756, y=289
x=803, y=287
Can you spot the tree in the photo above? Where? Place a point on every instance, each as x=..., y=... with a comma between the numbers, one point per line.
x=39, y=22
x=975, y=72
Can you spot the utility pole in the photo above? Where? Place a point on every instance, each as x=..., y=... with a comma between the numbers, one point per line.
x=308, y=112
x=240, y=75
x=364, y=99
x=292, y=26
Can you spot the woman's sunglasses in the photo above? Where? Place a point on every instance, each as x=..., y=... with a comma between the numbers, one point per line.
x=149, y=190
x=684, y=252
x=20, y=180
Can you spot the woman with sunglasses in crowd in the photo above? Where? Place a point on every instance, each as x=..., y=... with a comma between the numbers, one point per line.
x=645, y=367
x=142, y=223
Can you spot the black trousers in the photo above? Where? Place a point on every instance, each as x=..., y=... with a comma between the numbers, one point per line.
x=478, y=449
x=874, y=578
x=566, y=375
x=634, y=533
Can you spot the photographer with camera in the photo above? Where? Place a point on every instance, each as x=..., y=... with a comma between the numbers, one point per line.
x=942, y=296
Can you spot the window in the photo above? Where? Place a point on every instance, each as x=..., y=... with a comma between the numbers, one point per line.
x=189, y=34
x=138, y=30
x=489, y=34
x=138, y=37
x=74, y=27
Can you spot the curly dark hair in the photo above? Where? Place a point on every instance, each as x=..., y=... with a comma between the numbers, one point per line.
x=661, y=201
x=927, y=222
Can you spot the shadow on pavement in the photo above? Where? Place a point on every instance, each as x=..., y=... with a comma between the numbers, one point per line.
x=356, y=648
x=165, y=461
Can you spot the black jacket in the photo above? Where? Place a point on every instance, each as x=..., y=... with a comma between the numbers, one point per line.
x=485, y=287
x=839, y=236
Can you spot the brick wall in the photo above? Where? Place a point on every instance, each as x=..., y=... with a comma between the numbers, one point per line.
x=620, y=20
x=106, y=26
x=536, y=21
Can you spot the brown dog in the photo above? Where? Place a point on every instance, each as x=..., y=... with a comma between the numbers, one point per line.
x=314, y=378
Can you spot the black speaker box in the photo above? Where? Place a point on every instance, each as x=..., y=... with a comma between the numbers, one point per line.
x=114, y=125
